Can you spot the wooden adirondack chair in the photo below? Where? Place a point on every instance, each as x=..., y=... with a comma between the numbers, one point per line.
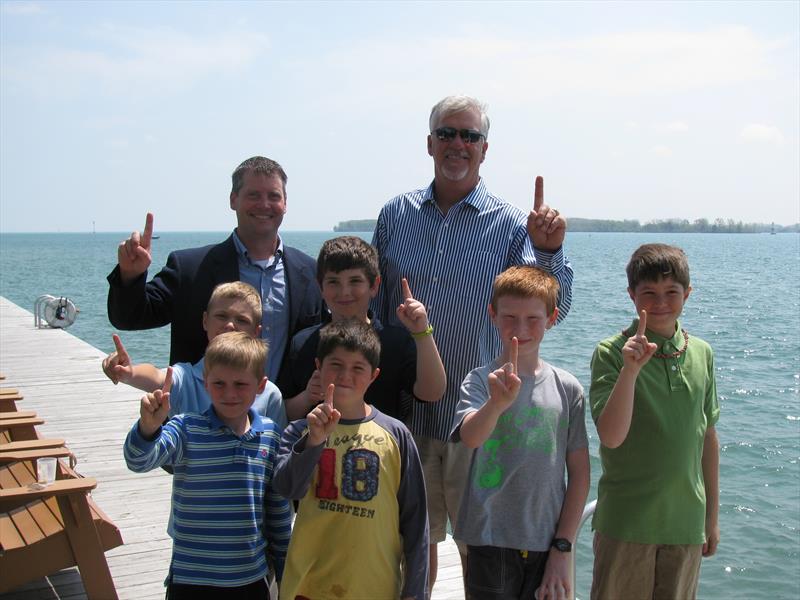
x=8, y=402
x=20, y=434
x=17, y=414
x=44, y=530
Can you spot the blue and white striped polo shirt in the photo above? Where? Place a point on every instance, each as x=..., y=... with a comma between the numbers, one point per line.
x=225, y=513
x=450, y=261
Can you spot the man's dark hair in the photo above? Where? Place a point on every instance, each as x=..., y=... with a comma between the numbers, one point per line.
x=347, y=252
x=353, y=336
x=257, y=164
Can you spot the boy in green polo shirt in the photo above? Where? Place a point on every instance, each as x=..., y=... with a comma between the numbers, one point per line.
x=654, y=401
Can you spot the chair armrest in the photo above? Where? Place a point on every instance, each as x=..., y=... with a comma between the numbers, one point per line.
x=9, y=423
x=17, y=414
x=31, y=445
x=14, y=497
x=14, y=456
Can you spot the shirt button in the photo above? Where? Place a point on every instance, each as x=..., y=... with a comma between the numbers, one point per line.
x=435, y=279
x=440, y=251
x=674, y=368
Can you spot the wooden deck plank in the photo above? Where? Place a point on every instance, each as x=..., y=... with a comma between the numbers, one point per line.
x=81, y=406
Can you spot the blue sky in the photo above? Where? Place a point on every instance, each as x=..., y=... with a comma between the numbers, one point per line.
x=642, y=110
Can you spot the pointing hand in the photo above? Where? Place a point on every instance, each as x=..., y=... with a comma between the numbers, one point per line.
x=504, y=383
x=546, y=226
x=322, y=419
x=117, y=365
x=411, y=312
x=133, y=255
x=154, y=408
x=638, y=350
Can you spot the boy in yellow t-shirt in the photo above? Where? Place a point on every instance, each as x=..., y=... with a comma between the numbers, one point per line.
x=358, y=477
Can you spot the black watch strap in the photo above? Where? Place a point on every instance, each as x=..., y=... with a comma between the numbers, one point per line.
x=561, y=544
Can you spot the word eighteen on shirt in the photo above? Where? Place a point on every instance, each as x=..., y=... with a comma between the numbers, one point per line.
x=367, y=513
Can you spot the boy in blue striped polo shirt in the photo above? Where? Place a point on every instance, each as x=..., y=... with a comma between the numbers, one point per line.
x=227, y=519
x=233, y=306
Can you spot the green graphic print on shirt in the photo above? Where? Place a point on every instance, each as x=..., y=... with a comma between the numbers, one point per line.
x=531, y=428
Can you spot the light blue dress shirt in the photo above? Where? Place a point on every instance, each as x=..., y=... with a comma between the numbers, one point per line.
x=270, y=282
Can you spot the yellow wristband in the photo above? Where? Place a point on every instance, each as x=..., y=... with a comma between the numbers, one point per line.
x=428, y=331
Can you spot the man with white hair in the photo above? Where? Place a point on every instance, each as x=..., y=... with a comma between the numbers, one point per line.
x=450, y=240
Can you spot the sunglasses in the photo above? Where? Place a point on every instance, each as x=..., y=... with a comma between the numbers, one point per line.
x=448, y=134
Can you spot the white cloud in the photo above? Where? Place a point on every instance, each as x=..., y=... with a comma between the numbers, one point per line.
x=22, y=8
x=662, y=151
x=755, y=132
x=133, y=61
x=622, y=64
x=671, y=127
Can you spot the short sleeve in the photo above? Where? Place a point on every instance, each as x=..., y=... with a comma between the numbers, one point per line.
x=711, y=402
x=606, y=365
x=576, y=436
x=474, y=394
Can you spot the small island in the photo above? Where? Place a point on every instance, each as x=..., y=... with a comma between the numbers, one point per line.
x=633, y=226
x=357, y=225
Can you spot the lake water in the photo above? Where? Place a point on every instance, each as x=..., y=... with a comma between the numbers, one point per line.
x=745, y=303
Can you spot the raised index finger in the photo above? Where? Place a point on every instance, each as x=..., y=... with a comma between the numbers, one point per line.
x=514, y=352
x=406, y=291
x=118, y=345
x=538, y=193
x=167, y=381
x=147, y=234
x=329, y=395
x=642, y=322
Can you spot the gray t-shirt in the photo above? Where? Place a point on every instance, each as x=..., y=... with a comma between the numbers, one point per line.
x=516, y=480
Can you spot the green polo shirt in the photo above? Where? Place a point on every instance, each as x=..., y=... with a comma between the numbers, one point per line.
x=651, y=490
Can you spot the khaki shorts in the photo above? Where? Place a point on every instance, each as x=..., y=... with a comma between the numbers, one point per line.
x=644, y=571
x=446, y=469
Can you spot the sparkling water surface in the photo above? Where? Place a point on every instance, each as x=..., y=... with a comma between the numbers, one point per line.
x=745, y=302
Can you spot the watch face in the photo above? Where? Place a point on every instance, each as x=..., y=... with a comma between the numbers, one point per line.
x=562, y=545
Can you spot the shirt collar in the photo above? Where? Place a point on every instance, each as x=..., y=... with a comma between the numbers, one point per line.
x=257, y=424
x=242, y=251
x=197, y=370
x=327, y=317
x=477, y=198
x=676, y=341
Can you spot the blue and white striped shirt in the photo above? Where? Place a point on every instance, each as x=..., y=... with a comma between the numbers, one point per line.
x=226, y=514
x=450, y=261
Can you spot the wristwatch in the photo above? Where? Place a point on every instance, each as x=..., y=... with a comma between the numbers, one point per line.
x=561, y=544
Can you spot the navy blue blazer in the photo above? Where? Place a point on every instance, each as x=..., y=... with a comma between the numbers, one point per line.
x=179, y=293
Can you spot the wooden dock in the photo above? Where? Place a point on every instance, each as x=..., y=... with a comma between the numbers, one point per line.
x=61, y=379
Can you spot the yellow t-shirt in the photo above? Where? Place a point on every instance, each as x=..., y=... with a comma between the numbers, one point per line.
x=362, y=513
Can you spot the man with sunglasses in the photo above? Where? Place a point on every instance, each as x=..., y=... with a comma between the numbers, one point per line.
x=450, y=240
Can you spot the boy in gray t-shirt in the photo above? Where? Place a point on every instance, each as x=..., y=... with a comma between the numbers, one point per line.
x=525, y=419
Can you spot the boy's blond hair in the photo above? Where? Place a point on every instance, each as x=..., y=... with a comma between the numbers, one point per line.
x=238, y=290
x=237, y=350
x=523, y=281
x=653, y=262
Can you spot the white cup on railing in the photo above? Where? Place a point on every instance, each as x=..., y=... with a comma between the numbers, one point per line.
x=46, y=470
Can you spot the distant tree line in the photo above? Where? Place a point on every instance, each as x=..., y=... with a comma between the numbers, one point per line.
x=678, y=226
x=634, y=226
